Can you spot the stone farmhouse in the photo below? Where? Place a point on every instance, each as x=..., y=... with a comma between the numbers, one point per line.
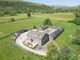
x=36, y=38
x=41, y=35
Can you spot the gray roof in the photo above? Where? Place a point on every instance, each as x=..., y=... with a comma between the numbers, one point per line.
x=56, y=33
x=36, y=35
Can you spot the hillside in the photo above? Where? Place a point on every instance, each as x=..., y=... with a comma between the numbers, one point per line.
x=12, y=7
x=10, y=0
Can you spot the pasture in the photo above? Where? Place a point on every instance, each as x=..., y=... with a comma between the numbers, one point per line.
x=11, y=52
x=55, y=16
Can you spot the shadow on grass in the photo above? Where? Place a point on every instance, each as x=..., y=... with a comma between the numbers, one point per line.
x=5, y=36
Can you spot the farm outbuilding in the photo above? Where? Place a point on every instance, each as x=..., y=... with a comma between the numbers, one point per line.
x=35, y=38
x=52, y=31
x=39, y=36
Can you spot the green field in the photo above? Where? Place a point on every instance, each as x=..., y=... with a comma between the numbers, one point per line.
x=55, y=16
x=11, y=52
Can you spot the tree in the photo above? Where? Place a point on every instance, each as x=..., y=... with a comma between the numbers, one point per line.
x=76, y=20
x=12, y=19
x=29, y=13
x=47, y=22
x=76, y=40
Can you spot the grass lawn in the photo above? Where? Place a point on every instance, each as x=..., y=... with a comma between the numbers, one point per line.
x=9, y=51
x=1, y=33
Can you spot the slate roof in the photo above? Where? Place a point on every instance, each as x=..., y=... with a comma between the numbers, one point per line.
x=56, y=33
x=36, y=35
x=52, y=34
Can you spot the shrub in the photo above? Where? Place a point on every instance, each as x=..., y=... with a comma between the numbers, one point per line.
x=47, y=22
x=12, y=19
x=76, y=21
x=6, y=12
x=29, y=14
x=34, y=27
x=76, y=42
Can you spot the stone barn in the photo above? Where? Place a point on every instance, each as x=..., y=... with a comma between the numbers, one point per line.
x=52, y=31
x=35, y=38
